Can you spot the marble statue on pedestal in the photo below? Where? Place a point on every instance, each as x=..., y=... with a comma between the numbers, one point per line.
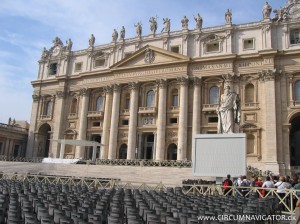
x=267, y=9
x=228, y=111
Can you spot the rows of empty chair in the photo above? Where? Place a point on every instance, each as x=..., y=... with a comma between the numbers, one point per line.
x=36, y=202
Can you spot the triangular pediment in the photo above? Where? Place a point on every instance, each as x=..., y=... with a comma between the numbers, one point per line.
x=150, y=56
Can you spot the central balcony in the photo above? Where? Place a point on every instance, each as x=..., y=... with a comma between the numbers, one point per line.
x=147, y=111
x=95, y=114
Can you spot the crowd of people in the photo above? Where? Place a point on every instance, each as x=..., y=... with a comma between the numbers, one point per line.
x=264, y=185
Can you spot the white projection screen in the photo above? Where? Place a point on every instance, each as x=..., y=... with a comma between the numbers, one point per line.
x=216, y=155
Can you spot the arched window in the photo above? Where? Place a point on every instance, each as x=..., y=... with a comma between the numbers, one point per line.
x=99, y=103
x=127, y=101
x=48, y=108
x=73, y=106
x=150, y=98
x=249, y=93
x=175, y=97
x=214, y=95
x=123, y=152
x=250, y=144
x=172, y=152
x=297, y=90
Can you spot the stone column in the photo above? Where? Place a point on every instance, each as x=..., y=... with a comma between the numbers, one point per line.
x=182, y=124
x=33, y=123
x=133, y=110
x=269, y=121
x=196, y=109
x=7, y=145
x=83, y=121
x=113, y=136
x=196, y=106
x=140, y=135
x=154, y=145
x=161, y=119
x=106, y=123
x=58, y=120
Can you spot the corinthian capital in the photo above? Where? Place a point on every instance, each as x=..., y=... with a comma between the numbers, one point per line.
x=196, y=81
x=84, y=91
x=60, y=94
x=161, y=83
x=107, y=89
x=116, y=87
x=267, y=75
x=133, y=85
x=36, y=97
x=182, y=80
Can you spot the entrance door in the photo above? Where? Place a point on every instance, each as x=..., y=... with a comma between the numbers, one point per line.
x=44, y=140
x=96, y=138
x=295, y=142
x=148, y=146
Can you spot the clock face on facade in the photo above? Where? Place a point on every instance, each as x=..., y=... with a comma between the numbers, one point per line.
x=294, y=11
x=56, y=51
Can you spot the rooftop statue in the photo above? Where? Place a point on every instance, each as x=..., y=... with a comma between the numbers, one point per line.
x=185, y=22
x=267, y=9
x=167, y=25
x=122, y=33
x=138, y=29
x=228, y=16
x=199, y=21
x=228, y=111
x=69, y=44
x=114, y=35
x=92, y=40
x=153, y=24
x=57, y=41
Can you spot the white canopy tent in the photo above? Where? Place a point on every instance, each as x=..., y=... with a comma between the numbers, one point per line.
x=64, y=142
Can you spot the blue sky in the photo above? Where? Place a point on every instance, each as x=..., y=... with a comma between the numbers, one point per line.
x=26, y=26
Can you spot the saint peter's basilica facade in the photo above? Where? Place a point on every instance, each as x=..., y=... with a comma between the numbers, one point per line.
x=145, y=97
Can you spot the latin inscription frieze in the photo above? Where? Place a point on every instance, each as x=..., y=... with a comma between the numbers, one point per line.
x=211, y=66
x=150, y=72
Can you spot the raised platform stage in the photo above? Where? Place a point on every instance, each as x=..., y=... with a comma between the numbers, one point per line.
x=166, y=175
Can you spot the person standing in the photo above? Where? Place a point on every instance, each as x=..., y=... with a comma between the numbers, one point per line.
x=227, y=184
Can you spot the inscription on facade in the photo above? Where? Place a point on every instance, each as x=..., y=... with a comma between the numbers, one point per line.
x=101, y=79
x=211, y=66
x=150, y=72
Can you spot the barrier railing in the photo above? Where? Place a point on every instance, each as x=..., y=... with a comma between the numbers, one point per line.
x=287, y=201
x=115, y=162
x=141, y=162
x=21, y=159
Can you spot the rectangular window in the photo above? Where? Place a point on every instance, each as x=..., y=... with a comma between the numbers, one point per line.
x=173, y=120
x=53, y=69
x=78, y=67
x=248, y=44
x=99, y=62
x=175, y=49
x=96, y=124
x=213, y=120
x=125, y=122
x=295, y=36
x=213, y=47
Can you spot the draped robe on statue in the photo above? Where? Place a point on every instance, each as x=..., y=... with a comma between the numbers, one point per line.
x=228, y=113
